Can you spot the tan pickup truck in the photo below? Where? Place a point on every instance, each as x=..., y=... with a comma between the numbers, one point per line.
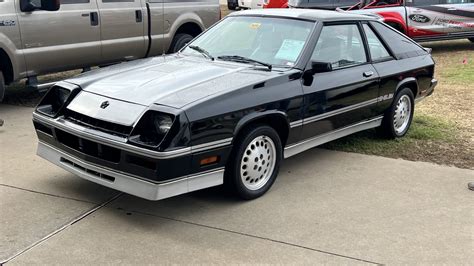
x=43, y=36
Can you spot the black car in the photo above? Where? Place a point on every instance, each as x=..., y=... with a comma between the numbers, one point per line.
x=257, y=87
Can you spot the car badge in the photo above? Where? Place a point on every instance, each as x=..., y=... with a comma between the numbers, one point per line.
x=104, y=104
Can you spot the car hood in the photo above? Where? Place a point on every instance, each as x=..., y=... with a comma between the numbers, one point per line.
x=174, y=81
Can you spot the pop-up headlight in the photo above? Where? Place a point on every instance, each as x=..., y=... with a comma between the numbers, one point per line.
x=55, y=100
x=151, y=129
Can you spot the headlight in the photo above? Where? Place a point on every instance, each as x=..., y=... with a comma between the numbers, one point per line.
x=55, y=99
x=151, y=129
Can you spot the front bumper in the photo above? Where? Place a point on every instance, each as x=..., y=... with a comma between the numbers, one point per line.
x=130, y=184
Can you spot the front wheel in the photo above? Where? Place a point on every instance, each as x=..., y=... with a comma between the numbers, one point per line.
x=255, y=162
x=179, y=41
x=398, y=118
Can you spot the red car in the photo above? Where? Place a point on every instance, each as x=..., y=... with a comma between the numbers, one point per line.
x=275, y=3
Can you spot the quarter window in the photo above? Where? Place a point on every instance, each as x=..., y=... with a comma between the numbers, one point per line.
x=376, y=48
x=340, y=45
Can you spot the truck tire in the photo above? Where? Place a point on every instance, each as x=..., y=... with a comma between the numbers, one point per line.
x=179, y=41
x=2, y=86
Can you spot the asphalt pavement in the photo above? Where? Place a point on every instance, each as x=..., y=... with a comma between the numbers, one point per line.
x=326, y=207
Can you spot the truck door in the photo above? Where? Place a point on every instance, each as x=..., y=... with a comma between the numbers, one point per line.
x=459, y=16
x=60, y=40
x=424, y=19
x=122, y=29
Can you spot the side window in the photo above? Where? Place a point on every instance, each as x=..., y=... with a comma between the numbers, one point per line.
x=340, y=45
x=376, y=47
x=401, y=46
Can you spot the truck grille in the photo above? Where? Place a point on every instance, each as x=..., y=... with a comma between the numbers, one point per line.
x=89, y=122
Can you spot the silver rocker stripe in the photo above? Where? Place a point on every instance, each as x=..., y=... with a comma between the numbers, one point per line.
x=128, y=184
x=330, y=136
x=120, y=143
x=339, y=111
x=332, y=113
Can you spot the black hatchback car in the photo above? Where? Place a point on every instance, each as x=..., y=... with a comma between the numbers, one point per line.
x=257, y=87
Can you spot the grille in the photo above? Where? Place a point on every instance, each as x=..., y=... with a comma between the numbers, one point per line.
x=86, y=170
x=88, y=147
x=89, y=122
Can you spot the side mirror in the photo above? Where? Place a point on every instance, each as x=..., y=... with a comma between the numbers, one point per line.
x=320, y=67
x=32, y=5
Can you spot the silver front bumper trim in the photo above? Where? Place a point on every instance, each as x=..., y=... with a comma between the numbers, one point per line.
x=129, y=184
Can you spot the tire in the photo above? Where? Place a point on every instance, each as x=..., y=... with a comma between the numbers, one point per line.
x=255, y=162
x=397, y=120
x=2, y=87
x=471, y=39
x=179, y=41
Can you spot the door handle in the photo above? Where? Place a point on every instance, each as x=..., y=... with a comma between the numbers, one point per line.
x=368, y=74
x=94, y=19
x=138, y=16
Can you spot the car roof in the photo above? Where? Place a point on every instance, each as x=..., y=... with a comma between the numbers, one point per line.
x=307, y=14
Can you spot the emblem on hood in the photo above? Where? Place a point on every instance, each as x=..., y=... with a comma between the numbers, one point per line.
x=104, y=104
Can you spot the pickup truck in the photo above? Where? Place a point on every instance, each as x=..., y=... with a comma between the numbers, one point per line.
x=38, y=37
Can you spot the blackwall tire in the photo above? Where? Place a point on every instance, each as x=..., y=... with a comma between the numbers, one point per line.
x=179, y=41
x=398, y=118
x=2, y=87
x=255, y=162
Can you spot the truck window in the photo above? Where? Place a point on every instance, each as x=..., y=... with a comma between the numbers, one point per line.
x=67, y=2
x=457, y=1
x=423, y=2
x=401, y=46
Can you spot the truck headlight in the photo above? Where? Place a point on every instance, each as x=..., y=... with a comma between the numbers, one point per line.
x=151, y=129
x=55, y=100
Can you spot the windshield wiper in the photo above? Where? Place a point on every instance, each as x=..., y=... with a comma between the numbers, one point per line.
x=202, y=51
x=241, y=59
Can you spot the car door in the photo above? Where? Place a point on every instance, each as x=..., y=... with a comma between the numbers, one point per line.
x=459, y=16
x=122, y=29
x=347, y=94
x=60, y=40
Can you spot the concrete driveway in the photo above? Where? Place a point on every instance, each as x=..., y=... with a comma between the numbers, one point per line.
x=326, y=207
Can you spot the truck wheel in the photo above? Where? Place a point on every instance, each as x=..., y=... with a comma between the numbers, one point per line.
x=471, y=39
x=255, y=162
x=2, y=87
x=179, y=41
x=397, y=120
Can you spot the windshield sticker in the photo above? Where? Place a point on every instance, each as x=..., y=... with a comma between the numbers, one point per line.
x=289, y=50
x=255, y=26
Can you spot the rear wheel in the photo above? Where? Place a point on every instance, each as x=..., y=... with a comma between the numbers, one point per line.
x=398, y=118
x=179, y=41
x=2, y=86
x=255, y=162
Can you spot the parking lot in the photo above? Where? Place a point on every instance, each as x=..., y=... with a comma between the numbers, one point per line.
x=326, y=207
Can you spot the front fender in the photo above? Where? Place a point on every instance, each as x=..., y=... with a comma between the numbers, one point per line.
x=252, y=117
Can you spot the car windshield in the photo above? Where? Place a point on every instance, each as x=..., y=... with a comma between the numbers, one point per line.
x=254, y=40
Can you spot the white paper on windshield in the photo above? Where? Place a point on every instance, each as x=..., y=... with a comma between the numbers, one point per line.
x=289, y=50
